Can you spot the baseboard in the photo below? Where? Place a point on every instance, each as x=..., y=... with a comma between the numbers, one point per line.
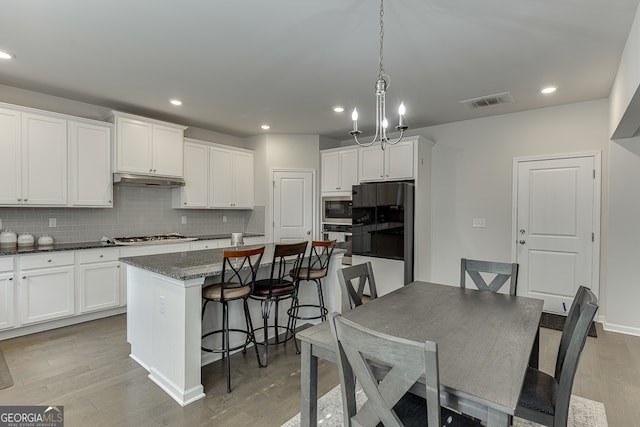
x=612, y=327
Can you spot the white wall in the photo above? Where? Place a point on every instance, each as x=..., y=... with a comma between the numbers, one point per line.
x=472, y=175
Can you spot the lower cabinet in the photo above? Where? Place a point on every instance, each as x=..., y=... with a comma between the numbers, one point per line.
x=46, y=287
x=7, y=302
x=98, y=279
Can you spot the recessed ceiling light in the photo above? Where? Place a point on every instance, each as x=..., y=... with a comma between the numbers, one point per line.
x=265, y=127
x=548, y=90
x=338, y=109
x=6, y=55
x=176, y=102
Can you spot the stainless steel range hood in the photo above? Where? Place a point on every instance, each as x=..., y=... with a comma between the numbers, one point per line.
x=146, y=180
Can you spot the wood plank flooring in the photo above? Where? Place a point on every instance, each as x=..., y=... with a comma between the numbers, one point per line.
x=86, y=368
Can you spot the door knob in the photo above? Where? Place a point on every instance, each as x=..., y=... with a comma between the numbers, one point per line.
x=522, y=242
x=308, y=233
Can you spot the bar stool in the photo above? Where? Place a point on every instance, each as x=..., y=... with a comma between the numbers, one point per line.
x=239, y=269
x=315, y=271
x=281, y=285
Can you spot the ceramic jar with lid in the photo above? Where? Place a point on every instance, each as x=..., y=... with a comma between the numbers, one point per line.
x=45, y=240
x=8, y=238
x=25, y=240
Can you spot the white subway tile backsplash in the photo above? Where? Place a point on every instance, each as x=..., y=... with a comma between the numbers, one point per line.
x=136, y=211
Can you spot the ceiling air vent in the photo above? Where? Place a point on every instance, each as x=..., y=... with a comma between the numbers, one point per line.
x=488, y=101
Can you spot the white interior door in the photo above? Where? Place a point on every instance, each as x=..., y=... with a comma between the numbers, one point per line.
x=557, y=200
x=293, y=206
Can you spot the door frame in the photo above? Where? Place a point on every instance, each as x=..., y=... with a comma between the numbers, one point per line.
x=597, y=190
x=314, y=209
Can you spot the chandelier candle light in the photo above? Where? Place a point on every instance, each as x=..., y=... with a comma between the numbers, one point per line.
x=381, y=118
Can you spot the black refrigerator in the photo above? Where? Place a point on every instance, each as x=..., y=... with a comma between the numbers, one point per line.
x=382, y=215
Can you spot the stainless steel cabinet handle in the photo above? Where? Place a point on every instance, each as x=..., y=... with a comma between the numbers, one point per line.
x=19, y=200
x=522, y=242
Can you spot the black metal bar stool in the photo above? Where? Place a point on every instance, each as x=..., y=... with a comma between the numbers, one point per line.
x=315, y=271
x=239, y=271
x=281, y=285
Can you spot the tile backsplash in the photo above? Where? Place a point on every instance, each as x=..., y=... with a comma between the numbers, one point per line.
x=136, y=211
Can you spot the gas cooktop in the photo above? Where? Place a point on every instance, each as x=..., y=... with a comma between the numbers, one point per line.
x=157, y=238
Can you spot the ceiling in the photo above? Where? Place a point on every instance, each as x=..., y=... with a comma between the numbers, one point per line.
x=239, y=64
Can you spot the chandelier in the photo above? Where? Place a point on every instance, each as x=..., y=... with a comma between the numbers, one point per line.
x=381, y=118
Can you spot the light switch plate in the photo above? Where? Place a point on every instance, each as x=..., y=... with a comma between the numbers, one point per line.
x=184, y=219
x=53, y=222
x=479, y=223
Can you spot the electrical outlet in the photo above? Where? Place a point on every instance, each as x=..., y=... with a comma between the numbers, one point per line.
x=184, y=219
x=224, y=218
x=53, y=222
x=161, y=304
x=479, y=223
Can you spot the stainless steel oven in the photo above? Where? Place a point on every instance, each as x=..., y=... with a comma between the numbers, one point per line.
x=342, y=234
x=336, y=209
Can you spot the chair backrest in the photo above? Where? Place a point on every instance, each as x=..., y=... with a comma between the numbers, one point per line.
x=574, y=336
x=364, y=274
x=503, y=271
x=286, y=264
x=357, y=347
x=321, y=251
x=240, y=267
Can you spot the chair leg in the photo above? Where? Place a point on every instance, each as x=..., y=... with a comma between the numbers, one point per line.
x=225, y=322
x=266, y=308
x=293, y=324
x=252, y=335
x=276, y=321
x=321, y=300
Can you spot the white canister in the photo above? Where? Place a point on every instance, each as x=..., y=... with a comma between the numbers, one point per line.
x=237, y=239
x=45, y=240
x=25, y=239
x=8, y=238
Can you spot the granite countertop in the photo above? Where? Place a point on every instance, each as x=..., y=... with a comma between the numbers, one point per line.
x=13, y=250
x=194, y=264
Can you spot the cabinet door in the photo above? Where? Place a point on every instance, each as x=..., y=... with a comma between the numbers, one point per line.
x=6, y=300
x=348, y=169
x=90, y=182
x=10, y=177
x=196, y=175
x=242, y=180
x=399, y=161
x=44, y=160
x=99, y=286
x=220, y=178
x=330, y=169
x=371, y=163
x=167, y=151
x=133, y=146
x=46, y=294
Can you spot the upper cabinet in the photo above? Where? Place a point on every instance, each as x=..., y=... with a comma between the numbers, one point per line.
x=35, y=149
x=395, y=162
x=90, y=164
x=339, y=169
x=148, y=147
x=216, y=177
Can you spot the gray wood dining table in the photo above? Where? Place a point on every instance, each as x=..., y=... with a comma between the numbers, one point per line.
x=485, y=343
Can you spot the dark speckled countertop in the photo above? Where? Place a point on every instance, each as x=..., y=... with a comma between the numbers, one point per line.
x=8, y=251
x=194, y=264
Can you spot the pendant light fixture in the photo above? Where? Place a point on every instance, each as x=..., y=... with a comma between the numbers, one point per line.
x=381, y=118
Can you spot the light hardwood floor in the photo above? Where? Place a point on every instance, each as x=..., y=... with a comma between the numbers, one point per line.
x=86, y=368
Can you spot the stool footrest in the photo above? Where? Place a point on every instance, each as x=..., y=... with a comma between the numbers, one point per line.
x=249, y=340
x=323, y=312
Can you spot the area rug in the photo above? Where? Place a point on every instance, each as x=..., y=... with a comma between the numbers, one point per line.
x=556, y=321
x=582, y=412
x=5, y=376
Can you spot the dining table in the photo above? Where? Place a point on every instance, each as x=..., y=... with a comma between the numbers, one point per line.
x=485, y=341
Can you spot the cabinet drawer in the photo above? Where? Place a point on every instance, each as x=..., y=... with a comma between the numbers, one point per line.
x=46, y=260
x=6, y=263
x=90, y=256
x=204, y=244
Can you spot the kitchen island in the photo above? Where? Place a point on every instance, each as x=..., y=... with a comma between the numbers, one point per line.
x=164, y=303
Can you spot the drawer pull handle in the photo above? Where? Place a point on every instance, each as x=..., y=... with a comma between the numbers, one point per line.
x=49, y=261
x=101, y=256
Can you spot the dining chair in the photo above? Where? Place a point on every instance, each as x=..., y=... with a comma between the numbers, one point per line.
x=503, y=271
x=545, y=399
x=280, y=285
x=389, y=401
x=239, y=269
x=315, y=271
x=364, y=275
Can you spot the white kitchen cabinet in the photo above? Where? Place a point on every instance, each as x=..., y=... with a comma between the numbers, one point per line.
x=46, y=287
x=7, y=293
x=395, y=162
x=146, y=146
x=97, y=279
x=35, y=147
x=230, y=179
x=90, y=182
x=216, y=177
x=339, y=169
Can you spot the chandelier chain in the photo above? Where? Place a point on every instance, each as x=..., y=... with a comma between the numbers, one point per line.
x=380, y=69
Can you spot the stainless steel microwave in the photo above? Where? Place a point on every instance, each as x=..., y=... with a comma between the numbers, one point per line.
x=336, y=209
